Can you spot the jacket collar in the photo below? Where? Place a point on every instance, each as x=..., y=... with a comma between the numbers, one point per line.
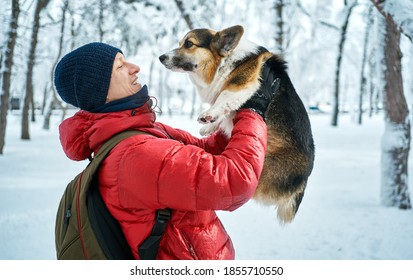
x=85, y=132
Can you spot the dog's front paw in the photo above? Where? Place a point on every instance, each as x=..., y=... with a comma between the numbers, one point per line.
x=206, y=118
x=208, y=129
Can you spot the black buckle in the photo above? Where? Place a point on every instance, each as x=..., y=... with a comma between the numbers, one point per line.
x=163, y=215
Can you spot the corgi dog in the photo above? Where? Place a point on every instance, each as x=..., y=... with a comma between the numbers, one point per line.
x=226, y=69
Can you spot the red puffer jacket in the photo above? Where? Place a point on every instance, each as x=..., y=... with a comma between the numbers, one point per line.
x=171, y=169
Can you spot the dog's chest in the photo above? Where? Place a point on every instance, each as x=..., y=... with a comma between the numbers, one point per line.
x=210, y=92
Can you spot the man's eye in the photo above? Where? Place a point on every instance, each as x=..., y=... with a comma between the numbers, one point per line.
x=188, y=44
x=120, y=66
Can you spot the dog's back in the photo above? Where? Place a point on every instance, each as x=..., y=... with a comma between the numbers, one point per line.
x=290, y=150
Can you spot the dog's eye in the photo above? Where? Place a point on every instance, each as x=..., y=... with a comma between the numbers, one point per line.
x=188, y=44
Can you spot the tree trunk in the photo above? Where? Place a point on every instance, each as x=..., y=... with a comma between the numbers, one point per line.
x=279, y=38
x=363, y=79
x=336, y=97
x=396, y=138
x=7, y=70
x=45, y=94
x=28, y=99
x=101, y=20
x=373, y=92
x=185, y=15
x=52, y=100
x=1, y=62
x=376, y=75
x=405, y=23
x=33, y=118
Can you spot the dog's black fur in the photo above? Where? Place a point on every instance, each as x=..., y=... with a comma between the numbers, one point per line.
x=287, y=118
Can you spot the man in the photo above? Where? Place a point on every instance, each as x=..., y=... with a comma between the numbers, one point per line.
x=165, y=167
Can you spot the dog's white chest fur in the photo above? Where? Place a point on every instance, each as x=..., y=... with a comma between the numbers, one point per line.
x=224, y=103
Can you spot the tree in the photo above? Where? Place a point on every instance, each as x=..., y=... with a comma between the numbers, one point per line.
x=374, y=92
x=102, y=8
x=185, y=15
x=52, y=100
x=395, y=10
x=28, y=100
x=279, y=36
x=347, y=12
x=396, y=138
x=363, y=78
x=7, y=70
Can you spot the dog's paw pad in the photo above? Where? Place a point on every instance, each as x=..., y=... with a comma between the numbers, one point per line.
x=206, y=119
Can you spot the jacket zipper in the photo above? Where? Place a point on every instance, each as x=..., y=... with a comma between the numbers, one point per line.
x=189, y=246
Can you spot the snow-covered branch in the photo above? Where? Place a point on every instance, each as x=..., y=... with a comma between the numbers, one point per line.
x=401, y=13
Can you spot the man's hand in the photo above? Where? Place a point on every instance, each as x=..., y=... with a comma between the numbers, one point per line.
x=263, y=96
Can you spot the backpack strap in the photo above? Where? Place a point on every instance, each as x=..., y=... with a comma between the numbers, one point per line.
x=112, y=142
x=107, y=229
x=149, y=248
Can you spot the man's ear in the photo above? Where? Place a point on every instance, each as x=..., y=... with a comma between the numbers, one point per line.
x=227, y=39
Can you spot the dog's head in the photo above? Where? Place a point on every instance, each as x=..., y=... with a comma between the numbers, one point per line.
x=201, y=51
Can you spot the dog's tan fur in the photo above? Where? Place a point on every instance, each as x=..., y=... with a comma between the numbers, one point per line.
x=226, y=71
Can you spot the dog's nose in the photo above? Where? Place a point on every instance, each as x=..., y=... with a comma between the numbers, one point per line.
x=162, y=58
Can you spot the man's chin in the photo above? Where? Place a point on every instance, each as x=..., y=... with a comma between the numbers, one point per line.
x=136, y=87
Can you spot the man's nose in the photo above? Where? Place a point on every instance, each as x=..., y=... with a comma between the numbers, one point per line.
x=133, y=68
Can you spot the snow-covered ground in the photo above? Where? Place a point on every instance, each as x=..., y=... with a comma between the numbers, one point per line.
x=339, y=218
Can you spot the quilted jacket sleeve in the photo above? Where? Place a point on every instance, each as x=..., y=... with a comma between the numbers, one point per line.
x=158, y=173
x=214, y=144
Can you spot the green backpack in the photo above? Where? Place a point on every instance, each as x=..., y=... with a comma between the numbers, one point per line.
x=84, y=227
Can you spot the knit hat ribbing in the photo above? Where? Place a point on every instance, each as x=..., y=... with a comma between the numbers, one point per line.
x=82, y=77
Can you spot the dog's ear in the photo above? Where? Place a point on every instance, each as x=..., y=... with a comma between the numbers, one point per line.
x=227, y=39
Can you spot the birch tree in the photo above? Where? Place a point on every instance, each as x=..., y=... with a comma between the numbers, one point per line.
x=7, y=70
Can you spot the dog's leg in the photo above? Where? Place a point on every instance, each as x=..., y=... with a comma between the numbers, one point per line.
x=226, y=103
x=225, y=124
x=209, y=128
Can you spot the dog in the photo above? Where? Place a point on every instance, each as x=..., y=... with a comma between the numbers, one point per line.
x=226, y=69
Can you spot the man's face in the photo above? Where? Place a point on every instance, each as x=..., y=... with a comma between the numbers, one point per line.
x=124, y=80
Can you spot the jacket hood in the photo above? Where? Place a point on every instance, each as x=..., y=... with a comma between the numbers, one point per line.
x=83, y=133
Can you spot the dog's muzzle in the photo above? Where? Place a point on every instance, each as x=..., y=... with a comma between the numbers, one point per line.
x=176, y=63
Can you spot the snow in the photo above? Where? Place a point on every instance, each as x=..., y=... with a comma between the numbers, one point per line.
x=340, y=218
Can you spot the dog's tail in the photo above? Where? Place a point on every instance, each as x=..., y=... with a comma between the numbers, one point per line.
x=287, y=207
x=286, y=202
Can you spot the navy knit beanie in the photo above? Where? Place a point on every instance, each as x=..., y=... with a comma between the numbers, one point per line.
x=82, y=77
